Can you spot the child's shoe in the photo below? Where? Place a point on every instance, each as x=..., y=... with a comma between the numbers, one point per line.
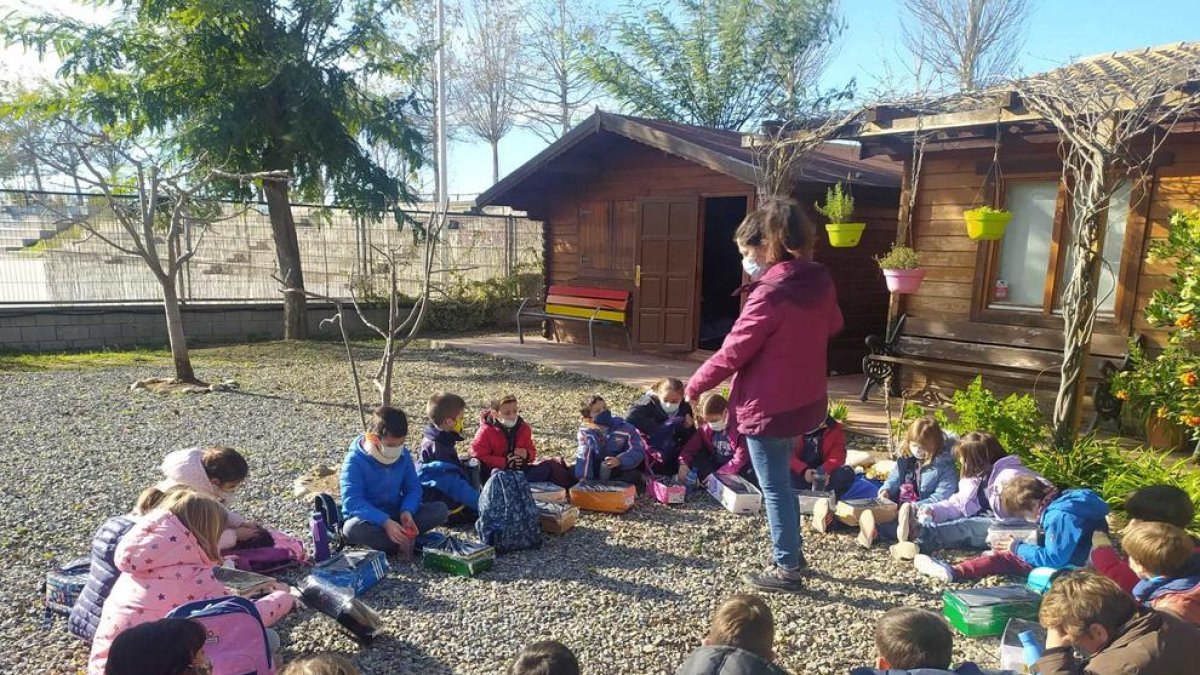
x=905, y=550
x=932, y=567
x=822, y=518
x=867, y=530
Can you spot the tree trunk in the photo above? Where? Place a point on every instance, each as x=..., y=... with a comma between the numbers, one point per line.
x=495, y=161
x=287, y=255
x=179, y=348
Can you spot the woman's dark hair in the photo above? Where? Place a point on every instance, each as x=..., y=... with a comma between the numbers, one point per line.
x=225, y=464
x=977, y=452
x=781, y=226
x=163, y=647
x=585, y=409
x=389, y=421
x=1161, y=504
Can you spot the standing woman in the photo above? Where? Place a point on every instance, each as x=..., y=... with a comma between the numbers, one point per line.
x=776, y=355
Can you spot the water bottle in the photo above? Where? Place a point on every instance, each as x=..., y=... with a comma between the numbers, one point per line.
x=320, y=535
x=820, y=481
x=1031, y=649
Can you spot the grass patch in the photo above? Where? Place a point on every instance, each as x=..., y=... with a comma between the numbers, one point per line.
x=27, y=362
x=69, y=235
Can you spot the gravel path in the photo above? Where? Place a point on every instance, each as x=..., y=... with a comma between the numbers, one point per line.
x=629, y=594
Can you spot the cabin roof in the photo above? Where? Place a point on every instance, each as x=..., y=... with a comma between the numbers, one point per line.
x=719, y=150
x=1114, y=73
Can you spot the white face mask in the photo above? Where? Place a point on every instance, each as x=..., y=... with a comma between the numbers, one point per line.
x=507, y=423
x=917, y=451
x=669, y=408
x=752, y=268
x=718, y=426
x=384, y=453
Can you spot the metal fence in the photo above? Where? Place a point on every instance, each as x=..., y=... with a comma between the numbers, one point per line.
x=43, y=261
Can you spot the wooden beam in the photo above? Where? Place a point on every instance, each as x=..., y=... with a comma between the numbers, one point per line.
x=1022, y=165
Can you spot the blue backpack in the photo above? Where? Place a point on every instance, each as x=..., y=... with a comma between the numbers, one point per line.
x=508, y=516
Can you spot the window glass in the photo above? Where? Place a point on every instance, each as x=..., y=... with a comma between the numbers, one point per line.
x=1025, y=248
x=1117, y=220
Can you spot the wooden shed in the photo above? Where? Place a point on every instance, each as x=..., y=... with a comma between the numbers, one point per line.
x=996, y=304
x=650, y=206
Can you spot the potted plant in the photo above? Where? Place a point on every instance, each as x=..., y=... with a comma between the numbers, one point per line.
x=839, y=208
x=985, y=223
x=902, y=269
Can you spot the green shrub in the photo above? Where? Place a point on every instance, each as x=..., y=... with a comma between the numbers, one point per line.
x=899, y=258
x=984, y=210
x=839, y=411
x=838, y=206
x=1015, y=421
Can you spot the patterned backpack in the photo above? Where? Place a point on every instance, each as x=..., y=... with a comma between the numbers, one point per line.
x=62, y=588
x=237, y=641
x=508, y=516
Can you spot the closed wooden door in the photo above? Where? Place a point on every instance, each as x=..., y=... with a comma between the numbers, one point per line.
x=665, y=299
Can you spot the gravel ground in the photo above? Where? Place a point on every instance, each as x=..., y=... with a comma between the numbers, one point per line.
x=630, y=594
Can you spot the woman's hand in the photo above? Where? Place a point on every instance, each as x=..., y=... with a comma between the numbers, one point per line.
x=612, y=462
x=883, y=494
x=522, y=453
x=1003, y=545
x=810, y=475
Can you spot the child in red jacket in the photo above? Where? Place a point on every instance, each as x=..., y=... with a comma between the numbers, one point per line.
x=714, y=447
x=1154, y=504
x=821, y=453
x=505, y=441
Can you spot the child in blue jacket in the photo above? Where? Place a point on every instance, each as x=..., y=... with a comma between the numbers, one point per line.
x=667, y=424
x=609, y=447
x=381, y=495
x=1066, y=519
x=443, y=474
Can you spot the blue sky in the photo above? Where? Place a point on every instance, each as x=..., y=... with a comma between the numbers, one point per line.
x=1059, y=31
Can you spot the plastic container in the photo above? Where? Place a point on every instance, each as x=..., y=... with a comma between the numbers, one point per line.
x=548, y=492
x=1026, y=532
x=735, y=493
x=1014, y=651
x=903, y=282
x=845, y=235
x=557, y=518
x=338, y=603
x=986, y=611
x=986, y=226
x=456, y=556
x=808, y=499
x=358, y=571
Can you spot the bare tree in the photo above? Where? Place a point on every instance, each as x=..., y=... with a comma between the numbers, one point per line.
x=1111, y=123
x=556, y=87
x=968, y=43
x=780, y=150
x=161, y=218
x=487, y=89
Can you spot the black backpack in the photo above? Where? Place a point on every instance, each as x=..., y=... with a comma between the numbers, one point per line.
x=324, y=504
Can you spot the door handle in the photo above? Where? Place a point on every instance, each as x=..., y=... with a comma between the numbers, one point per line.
x=637, y=276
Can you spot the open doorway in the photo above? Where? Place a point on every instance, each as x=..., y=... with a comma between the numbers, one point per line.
x=722, y=270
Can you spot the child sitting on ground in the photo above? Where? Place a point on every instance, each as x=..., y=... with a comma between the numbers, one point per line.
x=1089, y=614
x=925, y=473
x=443, y=474
x=1165, y=558
x=166, y=560
x=1154, y=503
x=740, y=640
x=714, y=446
x=163, y=647
x=505, y=441
x=821, y=453
x=325, y=664
x=609, y=447
x=381, y=494
x=914, y=640
x=1067, y=520
x=963, y=519
x=667, y=423
x=548, y=657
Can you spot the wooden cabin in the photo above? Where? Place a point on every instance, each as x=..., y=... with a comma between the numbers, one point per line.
x=993, y=307
x=650, y=207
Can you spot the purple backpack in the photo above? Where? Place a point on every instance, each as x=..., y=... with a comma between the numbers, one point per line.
x=260, y=555
x=237, y=641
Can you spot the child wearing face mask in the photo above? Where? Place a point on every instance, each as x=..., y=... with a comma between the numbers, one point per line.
x=666, y=422
x=444, y=475
x=714, y=447
x=381, y=494
x=609, y=447
x=505, y=441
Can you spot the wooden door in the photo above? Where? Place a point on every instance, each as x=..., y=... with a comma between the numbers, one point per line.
x=665, y=299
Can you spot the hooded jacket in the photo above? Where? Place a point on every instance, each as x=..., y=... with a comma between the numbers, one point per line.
x=440, y=469
x=722, y=445
x=162, y=567
x=665, y=435
x=1067, y=524
x=934, y=481
x=1151, y=643
x=186, y=467
x=724, y=660
x=102, y=576
x=966, y=501
x=621, y=439
x=1106, y=561
x=1179, y=595
x=495, y=443
x=824, y=448
x=374, y=491
x=967, y=668
x=776, y=352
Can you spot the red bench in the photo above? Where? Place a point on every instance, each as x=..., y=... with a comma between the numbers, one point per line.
x=596, y=306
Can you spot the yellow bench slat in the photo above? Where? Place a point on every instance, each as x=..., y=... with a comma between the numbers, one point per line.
x=584, y=313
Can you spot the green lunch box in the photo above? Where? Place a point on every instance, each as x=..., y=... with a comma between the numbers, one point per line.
x=985, y=611
x=462, y=558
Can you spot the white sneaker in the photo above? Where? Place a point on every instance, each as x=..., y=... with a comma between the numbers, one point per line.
x=905, y=550
x=821, y=519
x=867, y=530
x=904, y=519
x=932, y=567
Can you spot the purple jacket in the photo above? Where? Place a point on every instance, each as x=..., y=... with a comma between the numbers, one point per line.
x=965, y=502
x=776, y=352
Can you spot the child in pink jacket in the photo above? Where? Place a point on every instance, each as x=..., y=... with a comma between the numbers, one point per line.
x=218, y=472
x=963, y=519
x=167, y=560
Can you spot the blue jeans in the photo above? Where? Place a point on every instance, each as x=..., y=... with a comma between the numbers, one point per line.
x=771, y=458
